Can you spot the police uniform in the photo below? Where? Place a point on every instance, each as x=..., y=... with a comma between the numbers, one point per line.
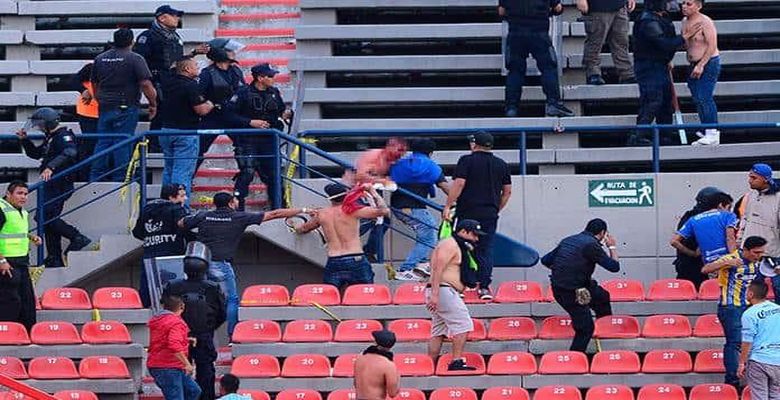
x=219, y=86
x=17, y=297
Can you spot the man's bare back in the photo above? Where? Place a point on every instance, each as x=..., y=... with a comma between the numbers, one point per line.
x=342, y=231
x=698, y=31
x=376, y=377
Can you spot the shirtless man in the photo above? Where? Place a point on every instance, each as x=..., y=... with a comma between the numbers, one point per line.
x=449, y=315
x=376, y=376
x=347, y=265
x=374, y=165
x=701, y=39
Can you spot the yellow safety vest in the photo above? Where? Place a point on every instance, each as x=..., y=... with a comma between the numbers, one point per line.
x=14, y=239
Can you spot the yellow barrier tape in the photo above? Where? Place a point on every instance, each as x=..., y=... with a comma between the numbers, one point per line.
x=132, y=167
x=96, y=315
x=295, y=155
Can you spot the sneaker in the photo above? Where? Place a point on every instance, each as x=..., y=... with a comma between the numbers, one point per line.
x=78, y=243
x=485, y=294
x=460, y=365
x=596, y=80
x=557, y=110
x=711, y=138
x=423, y=269
x=512, y=112
x=638, y=141
x=407, y=276
x=52, y=262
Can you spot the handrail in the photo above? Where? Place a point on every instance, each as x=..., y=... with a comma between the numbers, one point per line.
x=25, y=389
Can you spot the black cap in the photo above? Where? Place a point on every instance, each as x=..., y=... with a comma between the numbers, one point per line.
x=469, y=225
x=384, y=338
x=167, y=9
x=482, y=138
x=263, y=69
x=335, y=191
x=218, y=54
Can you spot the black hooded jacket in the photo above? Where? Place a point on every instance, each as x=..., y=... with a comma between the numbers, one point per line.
x=158, y=227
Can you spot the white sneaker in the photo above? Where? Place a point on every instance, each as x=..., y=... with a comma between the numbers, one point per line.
x=423, y=269
x=407, y=276
x=711, y=138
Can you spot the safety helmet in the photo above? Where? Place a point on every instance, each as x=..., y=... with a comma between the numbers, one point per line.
x=227, y=44
x=45, y=119
x=197, y=258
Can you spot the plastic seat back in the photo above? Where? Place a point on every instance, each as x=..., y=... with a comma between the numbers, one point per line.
x=615, y=362
x=357, y=330
x=255, y=394
x=661, y=391
x=512, y=363
x=617, y=327
x=479, y=332
x=308, y=330
x=709, y=361
x=519, y=292
x=54, y=332
x=708, y=325
x=257, y=331
x=472, y=359
x=746, y=393
x=306, y=366
x=265, y=296
x=409, y=293
x=556, y=327
x=713, y=391
x=52, y=368
x=453, y=393
x=512, y=328
x=65, y=299
x=366, y=295
x=409, y=394
x=103, y=367
x=668, y=361
x=411, y=330
x=13, y=367
x=666, y=326
x=610, y=392
x=116, y=298
x=412, y=364
x=671, y=290
x=14, y=396
x=298, y=394
x=558, y=392
x=344, y=366
x=709, y=290
x=624, y=289
x=105, y=332
x=470, y=296
x=505, y=393
x=255, y=366
x=13, y=333
x=320, y=293
x=342, y=394
x=563, y=362
x=75, y=395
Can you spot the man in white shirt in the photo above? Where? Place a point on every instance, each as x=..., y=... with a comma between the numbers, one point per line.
x=760, y=359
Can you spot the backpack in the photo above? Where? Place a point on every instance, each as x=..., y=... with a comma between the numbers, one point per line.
x=469, y=270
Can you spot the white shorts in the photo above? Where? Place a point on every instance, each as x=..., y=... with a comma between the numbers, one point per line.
x=452, y=317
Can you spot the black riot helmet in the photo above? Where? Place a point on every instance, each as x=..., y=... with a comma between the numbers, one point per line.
x=45, y=119
x=196, y=260
x=668, y=6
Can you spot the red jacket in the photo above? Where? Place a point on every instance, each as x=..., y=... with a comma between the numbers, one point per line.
x=167, y=336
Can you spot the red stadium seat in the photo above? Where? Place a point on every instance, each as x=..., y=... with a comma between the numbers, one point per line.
x=298, y=394
x=713, y=391
x=610, y=392
x=670, y=361
x=709, y=361
x=342, y=394
x=265, y=296
x=661, y=391
x=13, y=368
x=624, y=289
x=105, y=332
x=548, y=295
x=322, y=294
x=54, y=332
x=666, y=326
x=103, y=367
x=411, y=330
x=255, y=366
x=771, y=294
x=479, y=332
x=255, y=394
x=52, y=368
x=112, y=298
x=472, y=359
x=519, y=292
x=617, y=327
x=366, y=295
x=344, y=366
x=470, y=296
x=746, y=394
x=505, y=393
x=257, y=331
x=357, y=330
x=14, y=396
x=13, y=333
x=563, y=362
x=671, y=290
x=558, y=392
x=410, y=293
x=308, y=330
x=75, y=395
x=512, y=363
x=615, y=362
x=453, y=393
x=512, y=328
x=66, y=299
x=414, y=364
x=306, y=366
x=409, y=394
x=557, y=327
x=708, y=326
x=709, y=290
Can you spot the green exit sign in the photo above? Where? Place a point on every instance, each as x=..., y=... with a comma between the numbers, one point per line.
x=621, y=193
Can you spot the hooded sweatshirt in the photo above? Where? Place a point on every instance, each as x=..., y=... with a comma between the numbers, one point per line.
x=157, y=227
x=417, y=174
x=167, y=336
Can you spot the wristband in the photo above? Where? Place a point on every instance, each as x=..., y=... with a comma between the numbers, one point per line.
x=612, y=247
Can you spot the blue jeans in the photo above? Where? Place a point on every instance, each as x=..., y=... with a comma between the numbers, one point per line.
x=175, y=384
x=114, y=120
x=703, y=89
x=180, y=170
x=424, y=226
x=222, y=273
x=537, y=43
x=348, y=270
x=374, y=246
x=731, y=319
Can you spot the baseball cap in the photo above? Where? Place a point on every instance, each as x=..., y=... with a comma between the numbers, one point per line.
x=482, y=138
x=469, y=225
x=263, y=69
x=218, y=54
x=762, y=170
x=335, y=190
x=167, y=9
x=384, y=338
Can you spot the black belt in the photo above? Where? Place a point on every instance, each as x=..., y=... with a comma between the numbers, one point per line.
x=440, y=285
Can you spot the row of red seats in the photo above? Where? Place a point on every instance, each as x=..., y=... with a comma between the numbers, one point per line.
x=504, y=363
x=61, y=332
x=93, y=367
x=61, y=395
x=107, y=298
x=505, y=328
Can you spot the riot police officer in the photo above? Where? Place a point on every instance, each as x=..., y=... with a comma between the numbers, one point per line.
x=57, y=152
x=261, y=106
x=204, y=313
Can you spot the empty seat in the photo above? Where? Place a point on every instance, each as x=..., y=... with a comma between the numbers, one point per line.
x=624, y=289
x=13, y=333
x=103, y=367
x=548, y=295
x=75, y=395
x=472, y=359
x=410, y=394
x=105, y=332
x=558, y=392
x=666, y=326
x=563, y=362
x=414, y=364
x=14, y=396
x=322, y=294
x=708, y=326
x=116, y=298
x=519, y=292
x=610, y=392
x=557, y=327
x=771, y=294
x=255, y=394
x=671, y=290
x=667, y=361
x=479, y=332
x=344, y=366
x=617, y=327
x=342, y=394
x=257, y=331
x=453, y=393
x=709, y=361
x=66, y=299
x=54, y=332
x=746, y=394
x=615, y=362
x=713, y=391
x=366, y=295
x=308, y=330
x=410, y=293
x=470, y=296
x=255, y=366
x=265, y=296
x=306, y=365
x=661, y=391
x=512, y=328
x=411, y=330
x=52, y=368
x=505, y=393
x=709, y=290
x=357, y=330
x=298, y=394
x=13, y=368
x=512, y=363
